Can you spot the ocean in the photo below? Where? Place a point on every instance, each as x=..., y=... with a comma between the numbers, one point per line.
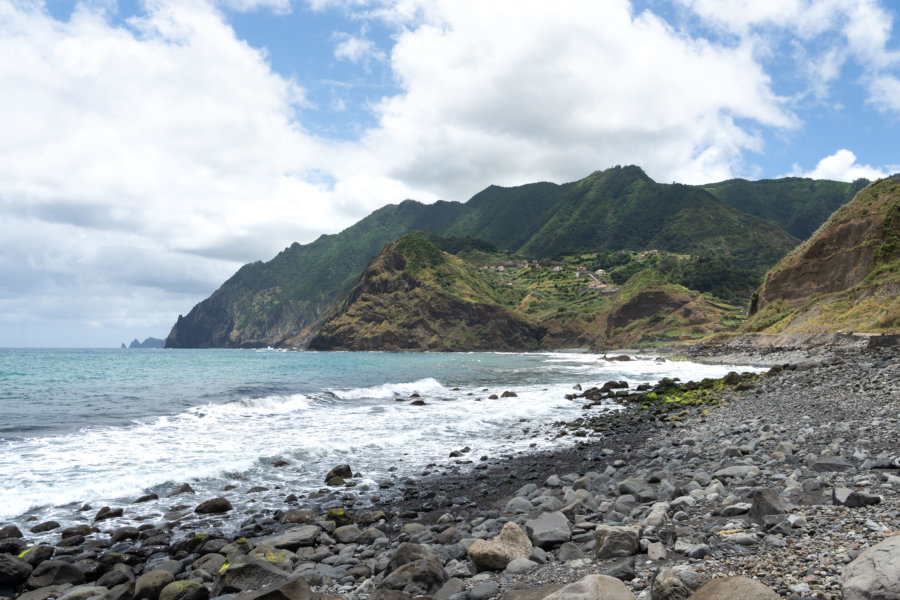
x=103, y=427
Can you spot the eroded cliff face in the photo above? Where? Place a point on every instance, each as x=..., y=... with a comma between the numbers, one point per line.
x=838, y=258
x=391, y=309
x=844, y=275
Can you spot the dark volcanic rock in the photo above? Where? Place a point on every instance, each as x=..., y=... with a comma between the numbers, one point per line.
x=213, y=506
x=55, y=572
x=13, y=571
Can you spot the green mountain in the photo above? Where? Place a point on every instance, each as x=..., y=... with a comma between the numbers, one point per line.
x=795, y=204
x=282, y=302
x=413, y=296
x=845, y=277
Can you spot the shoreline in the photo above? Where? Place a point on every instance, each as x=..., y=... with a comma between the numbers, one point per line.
x=781, y=433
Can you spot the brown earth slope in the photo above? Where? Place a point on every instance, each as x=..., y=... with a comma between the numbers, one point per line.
x=846, y=276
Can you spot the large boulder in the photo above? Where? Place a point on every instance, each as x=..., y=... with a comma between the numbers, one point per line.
x=767, y=502
x=731, y=588
x=213, y=506
x=295, y=537
x=184, y=590
x=549, y=530
x=10, y=531
x=245, y=573
x=497, y=552
x=593, y=587
x=149, y=585
x=875, y=574
x=419, y=577
x=407, y=552
x=296, y=589
x=613, y=541
x=337, y=475
x=13, y=571
x=676, y=584
x=54, y=572
x=84, y=592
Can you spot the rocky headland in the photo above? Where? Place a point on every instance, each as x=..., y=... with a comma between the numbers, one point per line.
x=784, y=484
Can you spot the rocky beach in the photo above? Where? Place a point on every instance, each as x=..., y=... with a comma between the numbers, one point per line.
x=784, y=484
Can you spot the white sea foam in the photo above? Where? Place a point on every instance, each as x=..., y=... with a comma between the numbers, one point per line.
x=429, y=385
x=364, y=426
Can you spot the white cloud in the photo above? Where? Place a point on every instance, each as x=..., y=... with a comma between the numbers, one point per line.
x=857, y=29
x=842, y=166
x=498, y=92
x=276, y=6
x=357, y=49
x=886, y=93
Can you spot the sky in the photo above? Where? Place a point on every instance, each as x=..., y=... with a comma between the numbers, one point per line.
x=149, y=148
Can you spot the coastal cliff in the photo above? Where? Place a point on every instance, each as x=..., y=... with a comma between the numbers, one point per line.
x=846, y=276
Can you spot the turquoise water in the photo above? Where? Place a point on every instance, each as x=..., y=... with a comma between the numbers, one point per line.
x=105, y=426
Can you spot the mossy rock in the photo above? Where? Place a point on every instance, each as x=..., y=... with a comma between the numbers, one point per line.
x=339, y=516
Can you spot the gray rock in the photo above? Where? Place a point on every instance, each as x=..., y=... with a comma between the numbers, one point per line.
x=303, y=535
x=10, y=531
x=519, y=566
x=656, y=551
x=149, y=585
x=768, y=502
x=593, y=587
x=243, y=573
x=831, y=464
x=732, y=588
x=295, y=589
x=54, y=572
x=423, y=576
x=549, y=530
x=675, y=584
x=84, y=592
x=211, y=563
x=213, y=506
x=735, y=471
x=518, y=505
x=484, y=590
x=184, y=590
x=13, y=571
x=842, y=496
x=738, y=508
x=406, y=553
x=342, y=471
x=277, y=557
x=569, y=551
x=614, y=541
x=453, y=586
x=184, y=488
x=348, y=534
x=875, y=574
x=46, y=593
x=45, y=526
x=622, y=569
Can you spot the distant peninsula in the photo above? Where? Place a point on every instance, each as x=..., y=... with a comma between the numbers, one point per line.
x=150, y=342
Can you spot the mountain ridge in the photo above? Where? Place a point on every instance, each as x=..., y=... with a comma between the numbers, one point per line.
x=282, y=302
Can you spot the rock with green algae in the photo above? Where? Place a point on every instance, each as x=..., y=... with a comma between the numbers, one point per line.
x=184, y=590
x=339, y=516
